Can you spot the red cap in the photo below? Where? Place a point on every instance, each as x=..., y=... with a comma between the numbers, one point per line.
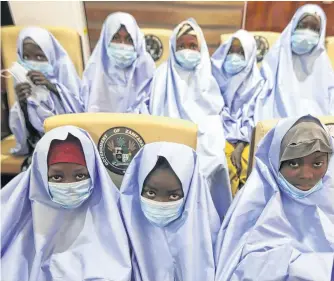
x=67, y=151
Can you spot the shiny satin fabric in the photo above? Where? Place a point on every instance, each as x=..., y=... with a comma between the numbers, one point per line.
x=42, y=241
x=268, y=235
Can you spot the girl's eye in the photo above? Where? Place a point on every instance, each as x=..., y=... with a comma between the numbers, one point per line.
x=80, y=177
x=129, y=39
x=150, y=193
x=174, y=197
x=39, y=58
x=25, y=57
x=116, y=37
x=318, y=164
x=293, y=164
x=56, y=178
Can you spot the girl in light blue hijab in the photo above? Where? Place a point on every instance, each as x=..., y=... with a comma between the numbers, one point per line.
x=60, y=219
x=169, y=215
x=280, y=225
x=119, y=71
x=183, y=87
x=53, y=89
x=297, y=70
x=235, y=69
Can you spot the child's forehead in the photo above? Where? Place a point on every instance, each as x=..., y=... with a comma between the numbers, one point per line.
x=310, y=19
x=236, y=41
x=28, y=40
x=187, y=38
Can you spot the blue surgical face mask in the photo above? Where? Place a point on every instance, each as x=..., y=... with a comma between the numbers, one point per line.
x=41, y=66
x=304, y=40
x=161, y=213
x=188, y=59
x=293, y=191
x=234, y=63
x=70, y=195
x=121, y=54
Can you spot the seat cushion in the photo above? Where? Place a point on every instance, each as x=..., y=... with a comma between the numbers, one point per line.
x=10, y=164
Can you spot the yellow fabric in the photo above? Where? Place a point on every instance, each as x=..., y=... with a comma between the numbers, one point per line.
x=69, y=39
x=330, y=48
x=10, y=164
x=163, y=35
x=150, y=128
x=263, y=127
x=234, y=178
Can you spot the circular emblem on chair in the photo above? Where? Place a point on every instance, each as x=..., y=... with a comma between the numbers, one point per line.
x=330, y=127
x=262, y=47
x=154, y=46
x=117, y=147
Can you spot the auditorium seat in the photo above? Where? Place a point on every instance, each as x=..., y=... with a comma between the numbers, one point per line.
x=157, y=43
x=330, y=48
x=119, y=136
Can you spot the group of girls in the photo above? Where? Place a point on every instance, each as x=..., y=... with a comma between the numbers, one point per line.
x=64, y=219
x=296, y=78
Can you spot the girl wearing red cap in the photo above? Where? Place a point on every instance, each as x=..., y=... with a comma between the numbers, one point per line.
x=60, y=219
x=68, y=177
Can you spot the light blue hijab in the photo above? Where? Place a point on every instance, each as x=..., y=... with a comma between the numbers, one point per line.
x=268, y=235
x=185, y=94
x=65, y=77
x=182, y=250
x=240, y=90
x=297, y=84
x=42, y=241
x=107, y=88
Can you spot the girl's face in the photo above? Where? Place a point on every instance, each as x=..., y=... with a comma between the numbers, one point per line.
x=236, y=47
x=122, y=36
x=187, y=41
x=31, y=51
x=309, y=22
x=163, y=186
x=67, y=172
x=304, y=173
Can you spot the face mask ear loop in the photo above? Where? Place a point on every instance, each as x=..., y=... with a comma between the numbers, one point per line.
x=6, y=76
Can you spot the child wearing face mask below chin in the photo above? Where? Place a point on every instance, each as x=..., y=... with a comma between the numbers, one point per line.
x=297, y=70
x=282, y=219
x=119, y=71
x=169, y=215
x=235, y=68
x=63, y=208
x=52, y=86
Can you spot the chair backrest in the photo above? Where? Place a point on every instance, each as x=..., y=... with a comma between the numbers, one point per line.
x=120, y=136
x=330, y=48
x=263, y=127
x=264, y=41
x=67, y=37
x=157, y=43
